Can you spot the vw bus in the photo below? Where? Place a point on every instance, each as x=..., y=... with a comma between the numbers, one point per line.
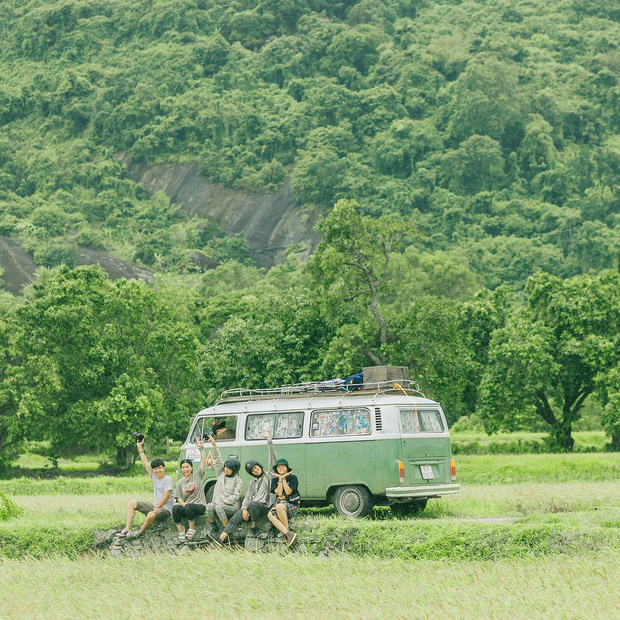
x=378, y=444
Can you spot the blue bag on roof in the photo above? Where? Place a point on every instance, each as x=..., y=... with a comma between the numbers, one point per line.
x=354, y=382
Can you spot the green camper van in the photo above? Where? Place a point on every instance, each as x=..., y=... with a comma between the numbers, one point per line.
x=353, y=446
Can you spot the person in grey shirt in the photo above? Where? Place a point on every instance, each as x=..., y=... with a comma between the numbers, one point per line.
x=161, y=508
x=190, y=495
x=227, y=489
x=258, y=498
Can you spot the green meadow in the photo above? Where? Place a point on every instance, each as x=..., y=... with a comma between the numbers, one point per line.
x=532, y=535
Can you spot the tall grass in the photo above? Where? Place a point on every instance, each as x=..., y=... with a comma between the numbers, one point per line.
x=478, y=442
x=217, y=584
x=510, y=469
x=536, y=519
x=62, y=485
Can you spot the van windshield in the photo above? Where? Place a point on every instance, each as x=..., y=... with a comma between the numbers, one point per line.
x=421, y=421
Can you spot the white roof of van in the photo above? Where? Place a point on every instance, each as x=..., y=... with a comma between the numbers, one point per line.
x=296, y=402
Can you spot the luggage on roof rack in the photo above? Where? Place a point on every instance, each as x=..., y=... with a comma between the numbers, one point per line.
x=324, y=387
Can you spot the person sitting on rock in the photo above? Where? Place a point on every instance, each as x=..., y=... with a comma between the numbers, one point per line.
x=257, y=500
x=284, y=485
x=226, y=492
x=161, y=508
x=190, y=495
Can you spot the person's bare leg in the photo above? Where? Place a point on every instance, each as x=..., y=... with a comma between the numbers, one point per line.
x=131, y=512
x=150, y=518
x=277, y=523
x=282, y=515
x=180, y=528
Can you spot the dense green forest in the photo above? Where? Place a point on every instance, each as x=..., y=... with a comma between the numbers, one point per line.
x=474, y=148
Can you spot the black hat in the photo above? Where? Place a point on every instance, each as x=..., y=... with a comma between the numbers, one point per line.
x=281, y=462
x=249, y=466
x=233, y=464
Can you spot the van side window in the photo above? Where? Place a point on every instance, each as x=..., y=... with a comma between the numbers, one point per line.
x=340, y=422
x=287, y=425
x=421, y=421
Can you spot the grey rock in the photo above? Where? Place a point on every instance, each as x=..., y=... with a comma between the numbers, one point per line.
x=271, y=222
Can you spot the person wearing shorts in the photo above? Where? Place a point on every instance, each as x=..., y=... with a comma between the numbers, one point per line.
x=161, y=508
x=284, y=485
x=190, y=495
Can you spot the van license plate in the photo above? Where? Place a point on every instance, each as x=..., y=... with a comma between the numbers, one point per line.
x=427, y=472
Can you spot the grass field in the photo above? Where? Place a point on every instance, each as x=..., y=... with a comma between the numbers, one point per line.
x=478, y=442
x=528, y=536
x=216, y=584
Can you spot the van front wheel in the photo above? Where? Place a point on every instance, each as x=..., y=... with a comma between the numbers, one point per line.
x=352, y=502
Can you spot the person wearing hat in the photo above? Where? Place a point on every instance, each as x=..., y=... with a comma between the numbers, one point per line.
x=226, y=492
x=284, y=485
x=258, y=497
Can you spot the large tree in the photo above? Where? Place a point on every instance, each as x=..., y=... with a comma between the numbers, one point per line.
x=553, y=354
x=351, y=266
x=102, y=359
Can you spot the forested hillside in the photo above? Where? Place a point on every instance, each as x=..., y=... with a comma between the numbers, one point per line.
x=478, y=141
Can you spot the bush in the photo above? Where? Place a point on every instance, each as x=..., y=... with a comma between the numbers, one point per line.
x=8, y=508
x=53, y=254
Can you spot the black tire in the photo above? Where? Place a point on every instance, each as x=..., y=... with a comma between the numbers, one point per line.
x=352, y=502
x=209, y=493
x=408, y=509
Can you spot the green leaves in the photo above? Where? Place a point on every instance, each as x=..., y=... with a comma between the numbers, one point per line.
x=552, y=356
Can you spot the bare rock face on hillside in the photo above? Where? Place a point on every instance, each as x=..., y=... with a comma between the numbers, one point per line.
x=17, y=265
x=115, y=267
x=19, y=268
x=271, y=222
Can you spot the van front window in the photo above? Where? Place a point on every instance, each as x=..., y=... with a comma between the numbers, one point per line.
x=222, y=428
x=421, y=421
x=340, y=422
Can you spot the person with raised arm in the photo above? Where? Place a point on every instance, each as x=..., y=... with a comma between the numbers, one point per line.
x=258, y=497
x=226, y=492
x=190, y=495
x=161, y=508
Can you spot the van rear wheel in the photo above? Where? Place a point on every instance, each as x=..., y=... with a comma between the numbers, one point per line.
x=409, y=508
x=352, y=502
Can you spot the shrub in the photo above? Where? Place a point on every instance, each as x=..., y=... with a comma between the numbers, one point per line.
x=8, y=508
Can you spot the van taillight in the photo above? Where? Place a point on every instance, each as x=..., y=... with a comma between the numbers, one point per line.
x=401, y=471
x=453, y=469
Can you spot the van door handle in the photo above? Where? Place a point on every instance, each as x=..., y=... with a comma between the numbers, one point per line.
x=233, y=456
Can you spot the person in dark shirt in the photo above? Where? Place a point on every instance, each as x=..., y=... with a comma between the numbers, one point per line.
x=284, y=484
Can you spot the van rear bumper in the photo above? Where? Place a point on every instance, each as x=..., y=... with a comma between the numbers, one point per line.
x=418, y=492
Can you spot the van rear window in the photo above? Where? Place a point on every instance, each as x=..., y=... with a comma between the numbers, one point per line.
x=421, y=421
x=340, y=422
x=279, y=425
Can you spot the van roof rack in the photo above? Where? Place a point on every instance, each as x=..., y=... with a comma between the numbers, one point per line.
x=327, y=388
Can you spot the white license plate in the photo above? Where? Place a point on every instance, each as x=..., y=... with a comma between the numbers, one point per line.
x=427, y=472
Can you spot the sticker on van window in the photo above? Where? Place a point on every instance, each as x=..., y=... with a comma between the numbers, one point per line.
x=341, y=422
x=193, y=454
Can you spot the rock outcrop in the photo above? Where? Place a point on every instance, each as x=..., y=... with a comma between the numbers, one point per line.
x=271, y=222
x=19, y=268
